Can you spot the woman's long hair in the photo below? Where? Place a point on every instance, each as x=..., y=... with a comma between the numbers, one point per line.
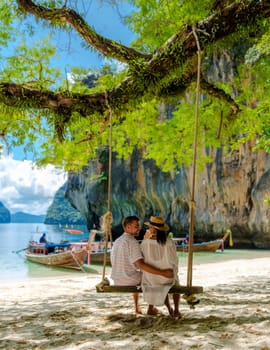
x=161, y=236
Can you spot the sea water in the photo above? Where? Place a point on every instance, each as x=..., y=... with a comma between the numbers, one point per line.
x=14, y=239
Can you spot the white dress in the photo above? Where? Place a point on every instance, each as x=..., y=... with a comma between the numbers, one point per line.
x=163, y=256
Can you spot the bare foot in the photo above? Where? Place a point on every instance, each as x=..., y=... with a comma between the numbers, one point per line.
x=171, y=312
x=154, y=312
x=138, y=312
x=177, y=314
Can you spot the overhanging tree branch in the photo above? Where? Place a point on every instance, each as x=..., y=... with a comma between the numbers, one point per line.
x=59, y=103
x=221, y=94
x=145, y=77
x=107, y=47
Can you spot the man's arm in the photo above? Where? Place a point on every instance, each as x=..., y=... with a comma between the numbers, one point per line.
x=148, y=268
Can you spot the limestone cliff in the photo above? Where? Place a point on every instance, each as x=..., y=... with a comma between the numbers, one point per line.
x=61, y=211
x=230, y=193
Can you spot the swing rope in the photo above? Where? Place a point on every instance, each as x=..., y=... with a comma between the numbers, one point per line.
x=188, y=290
x=192, y=204
x=107, y=218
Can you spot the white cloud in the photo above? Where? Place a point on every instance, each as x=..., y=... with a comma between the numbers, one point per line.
x=26, y=188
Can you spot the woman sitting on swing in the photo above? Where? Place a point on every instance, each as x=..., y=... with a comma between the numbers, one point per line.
x=159, y=251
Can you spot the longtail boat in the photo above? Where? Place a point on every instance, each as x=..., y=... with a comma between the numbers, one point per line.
x=95, y=249
x=56, y=254
x=210, y=246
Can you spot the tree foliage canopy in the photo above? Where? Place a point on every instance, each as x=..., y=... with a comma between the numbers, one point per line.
x=69, y=121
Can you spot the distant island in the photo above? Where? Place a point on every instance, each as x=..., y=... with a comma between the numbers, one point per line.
x=6, y=217
x=21, y=217
x=59, y=212
x=4, y=214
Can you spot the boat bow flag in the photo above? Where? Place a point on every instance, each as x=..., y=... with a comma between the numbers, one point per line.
x=230, y=238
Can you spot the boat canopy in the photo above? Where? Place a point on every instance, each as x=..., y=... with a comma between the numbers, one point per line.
x=54, y=245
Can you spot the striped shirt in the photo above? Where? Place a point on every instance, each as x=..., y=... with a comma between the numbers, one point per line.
x=125, y=252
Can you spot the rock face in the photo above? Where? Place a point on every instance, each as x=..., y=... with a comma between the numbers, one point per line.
x=229, y=193
x=4, y=214
x=61, y=211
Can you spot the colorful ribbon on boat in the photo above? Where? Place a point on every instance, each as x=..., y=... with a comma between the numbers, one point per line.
x=230, y=238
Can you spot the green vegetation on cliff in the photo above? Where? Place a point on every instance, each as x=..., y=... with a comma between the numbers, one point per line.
x=61, y=211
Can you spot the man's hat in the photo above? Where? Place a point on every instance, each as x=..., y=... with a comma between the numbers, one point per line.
x=158, y=223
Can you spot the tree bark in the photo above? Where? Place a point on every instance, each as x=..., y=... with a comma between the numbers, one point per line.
x=148, y=75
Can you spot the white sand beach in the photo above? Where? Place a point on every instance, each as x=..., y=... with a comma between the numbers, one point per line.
x=67, y=313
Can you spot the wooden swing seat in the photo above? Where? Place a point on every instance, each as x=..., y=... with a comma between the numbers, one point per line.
x=134, y=289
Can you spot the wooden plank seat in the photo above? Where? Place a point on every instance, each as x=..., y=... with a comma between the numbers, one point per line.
x=133, y=289
x=188, y=292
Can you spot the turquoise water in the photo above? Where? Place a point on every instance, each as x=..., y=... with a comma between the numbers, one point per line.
x=14, y=237
x=222, y=256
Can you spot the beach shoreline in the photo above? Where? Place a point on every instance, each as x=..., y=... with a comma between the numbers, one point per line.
x=67, y=313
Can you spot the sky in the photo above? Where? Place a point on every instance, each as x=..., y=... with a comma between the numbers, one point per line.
x=23, y=187
x=26, y=188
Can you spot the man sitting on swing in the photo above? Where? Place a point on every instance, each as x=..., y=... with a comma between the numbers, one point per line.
x=127, y=259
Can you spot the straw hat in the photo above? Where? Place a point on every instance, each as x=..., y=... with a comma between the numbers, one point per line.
x=158, y=223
